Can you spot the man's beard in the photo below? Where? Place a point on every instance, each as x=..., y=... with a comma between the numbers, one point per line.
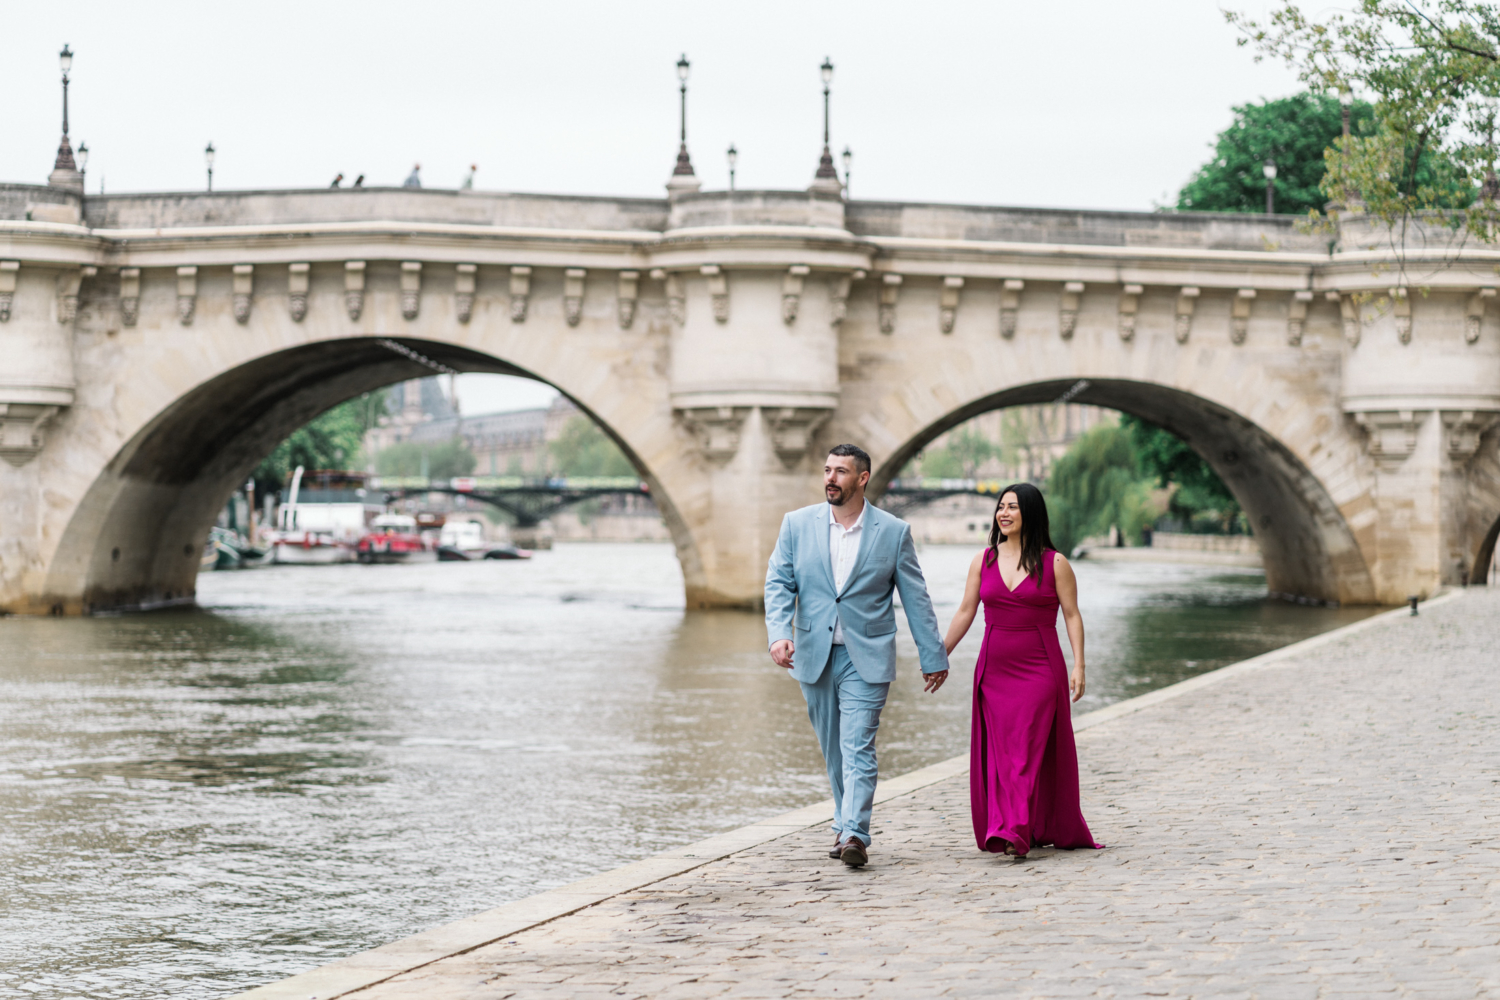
x=837, y=495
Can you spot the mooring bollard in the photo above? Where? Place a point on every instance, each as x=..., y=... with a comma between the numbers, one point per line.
x=1413, y=602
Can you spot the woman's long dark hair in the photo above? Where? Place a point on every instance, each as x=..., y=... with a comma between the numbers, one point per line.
x=1036, y=534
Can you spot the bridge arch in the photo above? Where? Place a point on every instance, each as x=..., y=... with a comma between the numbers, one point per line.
x=135, y=538
x=1309, y=548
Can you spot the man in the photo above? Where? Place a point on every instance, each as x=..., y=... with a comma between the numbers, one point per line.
x=831, y=622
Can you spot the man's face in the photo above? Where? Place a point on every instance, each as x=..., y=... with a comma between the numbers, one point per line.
x=841, y=481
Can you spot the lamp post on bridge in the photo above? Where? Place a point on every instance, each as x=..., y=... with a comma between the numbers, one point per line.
x=827, y=178
x=848, y=162
x=682, y=179
x=1269, y=170
x=733, y=155
x=208, y=158
x=1346, y=103
x=65, y=172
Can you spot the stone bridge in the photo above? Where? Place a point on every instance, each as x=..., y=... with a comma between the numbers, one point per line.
x=154, y=347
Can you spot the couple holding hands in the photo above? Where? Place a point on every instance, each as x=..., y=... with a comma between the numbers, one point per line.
x=832, y=624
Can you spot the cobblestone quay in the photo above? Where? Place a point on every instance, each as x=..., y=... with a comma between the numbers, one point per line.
x=1318, y=824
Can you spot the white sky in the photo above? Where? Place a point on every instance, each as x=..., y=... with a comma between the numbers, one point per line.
x=1082, y=103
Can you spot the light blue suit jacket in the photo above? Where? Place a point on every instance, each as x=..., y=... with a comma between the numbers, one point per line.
x=801, y=604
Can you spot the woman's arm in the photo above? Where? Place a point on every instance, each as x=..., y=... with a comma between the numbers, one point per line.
x=1067, y=594
x=967, y=608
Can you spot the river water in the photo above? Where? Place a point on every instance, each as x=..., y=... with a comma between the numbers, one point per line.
x=323, y=759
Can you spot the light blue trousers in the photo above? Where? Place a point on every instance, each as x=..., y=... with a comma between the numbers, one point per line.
x=845, y=713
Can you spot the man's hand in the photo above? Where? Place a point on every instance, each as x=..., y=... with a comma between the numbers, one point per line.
x=931, y=682
x=781, y=652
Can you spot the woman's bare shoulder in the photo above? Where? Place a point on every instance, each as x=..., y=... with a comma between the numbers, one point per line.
x=978, y=559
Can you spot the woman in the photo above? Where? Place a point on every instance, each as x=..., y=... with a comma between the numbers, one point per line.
x=1023, y=773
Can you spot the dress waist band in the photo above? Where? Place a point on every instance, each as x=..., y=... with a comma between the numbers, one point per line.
x=1015, y=625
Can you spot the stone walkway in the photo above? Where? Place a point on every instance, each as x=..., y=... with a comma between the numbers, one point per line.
x=1321, y=827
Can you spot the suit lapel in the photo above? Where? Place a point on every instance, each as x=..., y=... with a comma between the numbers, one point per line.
x=821, y=546
x=866, y=542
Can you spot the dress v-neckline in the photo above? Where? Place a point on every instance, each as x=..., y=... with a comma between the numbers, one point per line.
x=1008, y=588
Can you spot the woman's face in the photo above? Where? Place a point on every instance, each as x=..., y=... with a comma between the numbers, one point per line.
x=1008, y=516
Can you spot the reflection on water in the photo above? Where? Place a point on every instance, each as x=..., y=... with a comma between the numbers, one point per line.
x=329, y=758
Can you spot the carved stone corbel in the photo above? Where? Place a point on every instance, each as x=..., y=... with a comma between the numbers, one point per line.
x=718, y=290
x=411, y=288
x=354, y=288
x=1187, y=302
x=890, y=291
x=1349, y=314
x=573, y=279
x=187, y=294
x=520, y=293
x=717, y=429
x=1391, y=435
x=948, y=303
x=67, y=295
x=244, y=284
x=838, y=295
x=130, y=295
x=1473, y=315
x=791, y=292
x=1462, y=430
x=627, y=296
x=1130, y=304
x=676, y=296
x=792, y=429
x=21, y=430
x=1067, y=308
x=1401, y=310
x=296, y=290
x=1239, y=315
x=1010, y=305
x=8, y=270
x=1296, y=317
x=463, y=291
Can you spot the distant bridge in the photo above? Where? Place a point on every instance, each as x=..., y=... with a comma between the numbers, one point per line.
x=529, y=500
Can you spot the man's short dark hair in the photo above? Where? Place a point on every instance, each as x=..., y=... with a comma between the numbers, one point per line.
x=854, y=451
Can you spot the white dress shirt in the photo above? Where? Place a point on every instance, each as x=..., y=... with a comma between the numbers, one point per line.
x=843, y=549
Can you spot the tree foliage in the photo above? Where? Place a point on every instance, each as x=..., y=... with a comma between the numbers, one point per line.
x=1098, y=484
x=332, y=440
x=1294, y=132
x=1200, y=499
x=1432, y=71
x=582, y=449
x=960, y=457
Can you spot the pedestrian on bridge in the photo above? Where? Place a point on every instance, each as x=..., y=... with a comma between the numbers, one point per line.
x=831, y=623
x=1023, y=763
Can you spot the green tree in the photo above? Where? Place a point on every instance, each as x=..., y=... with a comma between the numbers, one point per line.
x=961, y=455
x=1431, y=70
x=433, y=459
x=1294, y=132
x=1200, y=495
x=331, y=440
x=582, y=449
x=1097, y=484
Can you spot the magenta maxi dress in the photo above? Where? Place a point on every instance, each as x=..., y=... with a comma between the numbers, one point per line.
x=1023, y=764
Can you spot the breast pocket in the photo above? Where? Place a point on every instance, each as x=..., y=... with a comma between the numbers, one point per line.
x=804, y=625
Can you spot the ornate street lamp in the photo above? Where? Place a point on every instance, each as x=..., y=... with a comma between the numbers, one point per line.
x=64, y=170
x=826, y=173
x=1270, y=171
x=848, y=159
x=83, y=158
x=684, y=166
x=1346, y=102
x=734, y=157
x=208, y=158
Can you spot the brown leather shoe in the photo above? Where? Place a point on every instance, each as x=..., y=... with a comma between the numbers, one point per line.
x=854, y=854
x=838, y=850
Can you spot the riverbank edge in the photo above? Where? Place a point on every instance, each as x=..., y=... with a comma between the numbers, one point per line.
x=368, y=968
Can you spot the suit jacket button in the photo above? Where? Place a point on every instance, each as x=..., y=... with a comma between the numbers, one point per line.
x=830, y=628
x=837, y=599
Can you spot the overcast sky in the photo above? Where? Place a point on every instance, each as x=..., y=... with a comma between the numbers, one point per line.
x=1090, y=103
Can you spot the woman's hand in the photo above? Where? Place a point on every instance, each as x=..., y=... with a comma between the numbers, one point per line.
x=1075, y=682
x=933, y=681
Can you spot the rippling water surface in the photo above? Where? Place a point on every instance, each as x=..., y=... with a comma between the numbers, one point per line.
x=323, y=759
